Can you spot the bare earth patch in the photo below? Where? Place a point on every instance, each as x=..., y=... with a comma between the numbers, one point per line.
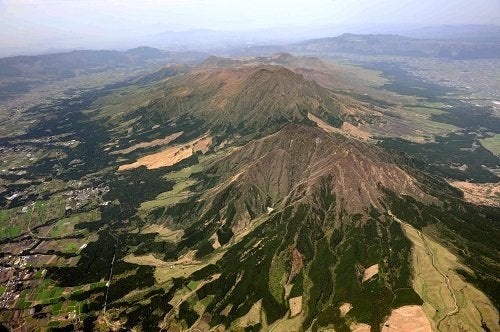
x=171, y=155
x=295, y=306
x=345, y=308
x=354, y=131
x=370, y=272
x=480, y=193
x=346, y=129
x=360, y=327
x=253, y=315
x=156, y=142
x=296, y=264
x=215, y=241
x=407, y=318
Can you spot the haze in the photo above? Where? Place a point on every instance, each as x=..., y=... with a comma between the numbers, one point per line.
x=30, y=26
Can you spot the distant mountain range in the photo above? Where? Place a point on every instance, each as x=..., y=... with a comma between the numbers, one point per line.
x=469, y=33
x=388, y=45
x=70, y=64
x=21, y=74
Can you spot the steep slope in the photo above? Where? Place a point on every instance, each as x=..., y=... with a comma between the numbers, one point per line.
x=310, y=223
x=244, y=100
x=247, y=100
x=294, y=163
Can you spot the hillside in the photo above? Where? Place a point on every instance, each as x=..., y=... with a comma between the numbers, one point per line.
x=247, y=100
x=305, y=214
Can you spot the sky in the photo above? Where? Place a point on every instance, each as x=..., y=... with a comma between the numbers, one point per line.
x=37, y=24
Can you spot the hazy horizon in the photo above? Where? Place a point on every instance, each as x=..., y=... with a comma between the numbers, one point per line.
x=34, y=26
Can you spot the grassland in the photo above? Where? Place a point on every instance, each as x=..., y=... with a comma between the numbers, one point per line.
x=454, y=305
x=46, y=293
x=169, y=198
x=419, y=117
x=171, y=155
x=492, y=144
x=164, y=233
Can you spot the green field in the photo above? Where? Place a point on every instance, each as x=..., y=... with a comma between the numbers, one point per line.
x=492, y=144
x=177, y=194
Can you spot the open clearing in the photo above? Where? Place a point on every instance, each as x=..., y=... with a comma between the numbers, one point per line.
x=252, y=317
x=347, y=128
x=360, y=327
x=163, y=232
x=407, y=318
x=449, y=302
x=492, y=144
x=345, y=308
x=480, y=193
x=169, y=198
x=171, y=155
x=370, y=272
x=165, y=271
x=295, y=306
x=285, y=325
x=156, y=142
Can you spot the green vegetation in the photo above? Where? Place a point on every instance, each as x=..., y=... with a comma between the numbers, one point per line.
x=277, y=277
x=492, y=144
x=192, y=285
x=169, y=198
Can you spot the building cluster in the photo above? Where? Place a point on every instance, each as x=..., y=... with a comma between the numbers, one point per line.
x=80, y=197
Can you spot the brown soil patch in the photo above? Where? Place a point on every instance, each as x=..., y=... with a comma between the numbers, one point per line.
x=360, y=327
x=354, y=131
x=215, y=238
x=346, y=129
x=253, y=315
x=156, y=142
x=407, y=318
x=345, y=308
x=480, y=193
x=171, y=155
x=370, y=272
x=295, y=306
x=296, y=264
